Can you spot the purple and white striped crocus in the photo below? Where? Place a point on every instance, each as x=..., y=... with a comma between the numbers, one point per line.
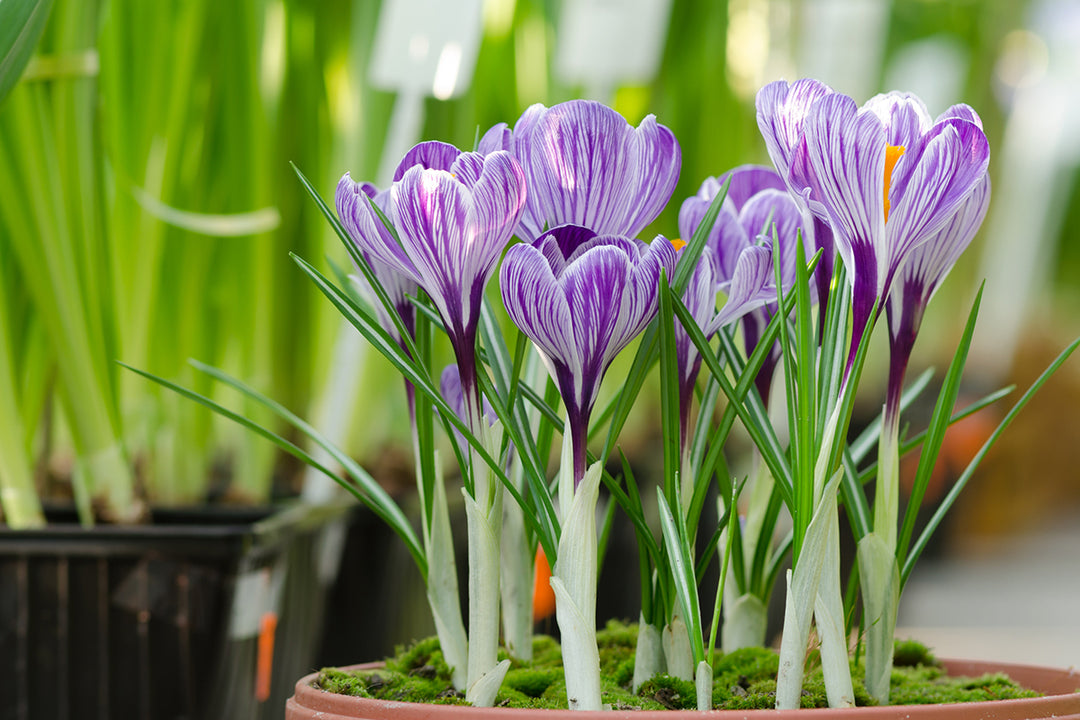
x=886, y=177
x=585, y=165
x=351, y=200
x=581, y=298
x=454, y=212
x=740, y=245
x=920, y=277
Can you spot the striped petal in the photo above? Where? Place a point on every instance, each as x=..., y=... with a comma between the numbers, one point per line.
x=945, y=166
x=536, y=304
x=431, y=155
x=587, y=166
x=751, y=287
x=453, y=230
x=726, y=238
x=376, y=242
x=781, y=111
x=770, y=208
x=844, y=151
x=927, y=265
x=904, y=116
x=748, y=180
x=582, y=311
x=700, y=299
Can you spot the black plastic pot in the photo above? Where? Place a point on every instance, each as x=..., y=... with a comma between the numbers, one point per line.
x=205, y=613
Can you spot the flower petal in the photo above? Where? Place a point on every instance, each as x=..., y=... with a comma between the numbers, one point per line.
x=751, y=287
x=844, y=152
x=749, y=180
x=353, y=202
x=431, y=155
x=587, y=166
x=927, y=265
x=945, y=167
x=904, y=116
x=781, y=111
x=438, y=230
x=776, y=208
x=498, y=137
x=536, y=303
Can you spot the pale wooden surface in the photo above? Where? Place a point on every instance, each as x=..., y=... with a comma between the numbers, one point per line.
x=1011, y=598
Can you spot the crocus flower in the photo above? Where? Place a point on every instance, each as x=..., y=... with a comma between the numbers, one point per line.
x=581, y=298
x=351, y=199
x=586, y=166
x=920, y=277
x=454, y=214
x=740, y=248
x=886, y=177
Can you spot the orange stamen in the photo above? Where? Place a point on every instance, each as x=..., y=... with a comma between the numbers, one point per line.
x=892, y=154
x=679, y=244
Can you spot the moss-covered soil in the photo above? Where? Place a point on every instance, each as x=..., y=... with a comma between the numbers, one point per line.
x=745, y=679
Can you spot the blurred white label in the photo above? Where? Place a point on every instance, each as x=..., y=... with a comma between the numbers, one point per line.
x=257, y=592
x=602, y=42
x=427, y=47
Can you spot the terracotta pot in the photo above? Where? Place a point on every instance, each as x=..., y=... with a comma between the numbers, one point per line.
x=1062, y=700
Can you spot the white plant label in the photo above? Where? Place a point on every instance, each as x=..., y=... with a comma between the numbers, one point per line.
x=604, y=42
x=427, y=47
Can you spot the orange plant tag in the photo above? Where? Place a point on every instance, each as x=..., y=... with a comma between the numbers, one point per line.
x=265, y=659
x=543, y=595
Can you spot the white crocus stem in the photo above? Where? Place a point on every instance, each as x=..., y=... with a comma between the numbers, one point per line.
x=756, y=508
x=802, y=595
x=648, y=655
x=703, y=685
x=687, y=475
x=879, y=575
x=483, y=511
x=887, y=486
x=829, y=615
x=517, y=576
x=574, y=582
x=518, y=556
x=879, y=578
x=745, y=621
x=677, y=651
x=442, y=584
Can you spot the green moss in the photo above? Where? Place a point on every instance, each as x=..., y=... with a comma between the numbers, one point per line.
x=671, y=692
x=744, y=679
x=532, y=682
x=910, y=653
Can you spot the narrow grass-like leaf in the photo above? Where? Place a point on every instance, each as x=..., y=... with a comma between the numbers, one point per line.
x=21, y=25
x=386, y=345
x=643, y=535
x=644, y=359
x=647, y=348
x=669, y=391
x=868, y=438
x=682, y=571
x=540, y=517
x=730, y=519
x=358, y=258
x=605, y=534
x=696, y=245
x=699, y=442
x=363, y=487
x=935, y=432
x=869, y=472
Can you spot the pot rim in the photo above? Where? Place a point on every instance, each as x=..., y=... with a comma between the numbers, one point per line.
x=1061, y=699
